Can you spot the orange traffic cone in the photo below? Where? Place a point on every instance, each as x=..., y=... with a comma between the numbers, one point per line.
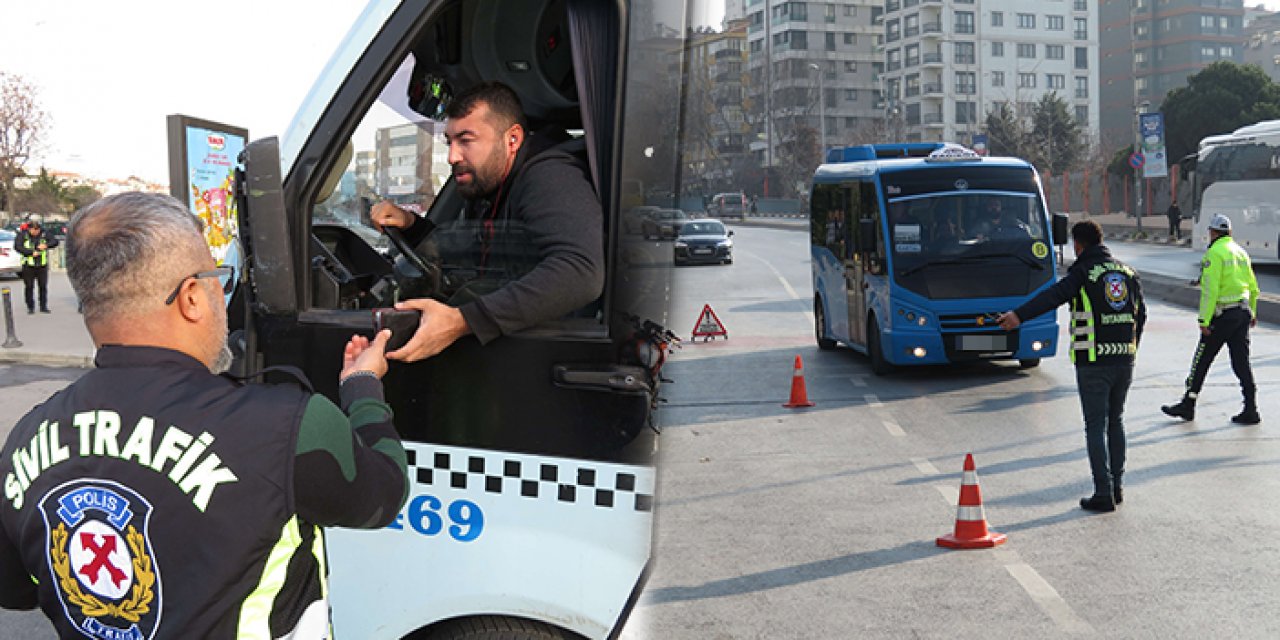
x=971, y=521
x=799, y=398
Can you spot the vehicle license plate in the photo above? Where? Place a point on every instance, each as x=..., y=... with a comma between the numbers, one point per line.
x=983, y=343
x=702, y=252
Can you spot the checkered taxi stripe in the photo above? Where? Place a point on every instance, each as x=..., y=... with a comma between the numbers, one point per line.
x=568, y=481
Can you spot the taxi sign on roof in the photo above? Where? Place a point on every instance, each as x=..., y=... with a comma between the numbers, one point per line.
x=951, y=152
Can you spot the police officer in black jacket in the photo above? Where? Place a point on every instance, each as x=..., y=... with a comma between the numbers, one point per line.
x=153, y=498
x=1107, y=316
x=510, y=178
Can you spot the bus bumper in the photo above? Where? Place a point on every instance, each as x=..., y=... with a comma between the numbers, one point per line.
x=907, y=347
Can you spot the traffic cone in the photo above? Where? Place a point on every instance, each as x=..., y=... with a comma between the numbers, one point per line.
x=799, y=398
x=971, y=521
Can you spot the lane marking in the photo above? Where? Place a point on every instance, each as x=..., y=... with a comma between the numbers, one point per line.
x=858, y=381
x=873, y=401
x=785, y=285
x=893, y=428
x=1046, y=597
x=925, y=466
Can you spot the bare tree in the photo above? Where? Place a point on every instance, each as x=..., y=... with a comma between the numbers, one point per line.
x=22, y=124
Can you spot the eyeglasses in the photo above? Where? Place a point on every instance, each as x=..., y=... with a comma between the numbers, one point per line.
x=223, y=274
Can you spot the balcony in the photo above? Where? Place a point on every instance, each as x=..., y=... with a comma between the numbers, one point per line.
x=933, y=88
x=729, y=54
x=931, y=27
x=911, y=31
x=966, y=89
x=893, y=65
x=962, y=58
x=910, y=92
x=964, y=29
x=892, y=5
x=913, y=61
x=891, y=37
x=931, y=119
x=931, y=59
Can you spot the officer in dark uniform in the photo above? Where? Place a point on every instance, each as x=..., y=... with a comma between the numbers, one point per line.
x=1107, y=316
x=34, y=244
x=153, y=498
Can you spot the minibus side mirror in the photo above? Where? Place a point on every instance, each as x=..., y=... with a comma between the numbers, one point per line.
x=1060, y=232
x=867, y=232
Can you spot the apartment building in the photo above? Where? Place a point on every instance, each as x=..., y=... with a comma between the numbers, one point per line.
x=716, y=128
x=799, y=52
x=950, y=62
x=1262, y=43
x=1149, y=47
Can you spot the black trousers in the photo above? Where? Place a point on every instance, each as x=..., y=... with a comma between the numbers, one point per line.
x=32, y=276
x=1232, y=329
x=1175, y=228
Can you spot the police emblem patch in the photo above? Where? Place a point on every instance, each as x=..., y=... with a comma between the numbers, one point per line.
x=100, y=554
x=1117, y=290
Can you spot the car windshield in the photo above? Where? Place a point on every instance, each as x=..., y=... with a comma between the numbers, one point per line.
x=941, y=228
x=702, y=229
x=671, y=214
x=7, y=236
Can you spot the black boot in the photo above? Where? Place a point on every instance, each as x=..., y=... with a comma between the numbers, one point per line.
x=1250, y=413
x=1117, y=494
x=1185, y=409
x=1099, y=503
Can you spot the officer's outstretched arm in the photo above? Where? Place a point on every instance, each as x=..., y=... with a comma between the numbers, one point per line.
x=350, y=468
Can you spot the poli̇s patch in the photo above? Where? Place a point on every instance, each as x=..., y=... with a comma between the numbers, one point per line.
x=100, y=554
x=1117, y=290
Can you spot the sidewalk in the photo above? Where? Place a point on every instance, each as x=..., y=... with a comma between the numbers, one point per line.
x=57, y=339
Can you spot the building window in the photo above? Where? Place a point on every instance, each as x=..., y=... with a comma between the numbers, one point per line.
x=1055, y=23
x=1082, y=87
x=1082, y=114
x=997, y=49
x=851, y=66
x=997, y=78
x=831, y=41
x=912, y=53
x=756, y=46
x=997, y=18
x=911, y=26
x=1227, y=51
x=852, y=10
x=965, y=53
x=851, y=95
x=1082, y=29
x=964, y=22
x=1140, y=57
x=1081, y=5
x=1055, y=81
x=1026, y=80
x=830, y=14
x=891, y=30
x=1082, y=58
x=1140, y=84
x=966, y=113
x=1054, y=51
x=894, y=58
x=966, y=82
x=1026, y=20
x=1208, y=52
x=851, y=38
x=1026, y=51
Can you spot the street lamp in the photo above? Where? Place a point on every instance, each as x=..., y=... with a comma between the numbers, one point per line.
x=822, y=117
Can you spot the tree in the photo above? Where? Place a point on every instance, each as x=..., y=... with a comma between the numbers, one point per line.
x=45, y=195
x=1219, y=99
x=22, y=124
x=81, y=196
x=1004, y=133
x=1054, y=143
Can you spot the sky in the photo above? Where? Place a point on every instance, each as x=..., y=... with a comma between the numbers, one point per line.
x=108, y=73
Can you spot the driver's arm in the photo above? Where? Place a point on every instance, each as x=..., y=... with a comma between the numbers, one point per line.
x=387, y=214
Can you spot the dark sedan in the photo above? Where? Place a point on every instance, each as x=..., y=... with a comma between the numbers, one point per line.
x=705, y=241
x=662, y=224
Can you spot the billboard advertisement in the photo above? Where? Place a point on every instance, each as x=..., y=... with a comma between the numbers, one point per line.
x=1151, y=129
x=202, y=163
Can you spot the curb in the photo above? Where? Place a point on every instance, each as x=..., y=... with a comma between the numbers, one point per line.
x=13, y=356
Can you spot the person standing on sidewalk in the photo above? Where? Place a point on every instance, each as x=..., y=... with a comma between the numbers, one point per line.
x=1107, y=316
x=1228, y=309
x=1175, y=220
x=34, y=246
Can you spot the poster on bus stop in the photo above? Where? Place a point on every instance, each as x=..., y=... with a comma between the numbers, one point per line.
x=1151, y=126
x=202, y=163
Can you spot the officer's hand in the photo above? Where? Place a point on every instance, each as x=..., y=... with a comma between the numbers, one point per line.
x=385, y=214
x=1205, y=331
x=1253, y=322
x=1009, y=321
x=440, y=326
x=363, y=355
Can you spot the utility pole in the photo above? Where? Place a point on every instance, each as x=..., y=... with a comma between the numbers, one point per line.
x=822, y=117
x=768, y=94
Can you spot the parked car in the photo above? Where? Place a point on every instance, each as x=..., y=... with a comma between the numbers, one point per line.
x=703, y=240
x=633, y=219
x=729, y=205
x=10, y=259
x=663, y=223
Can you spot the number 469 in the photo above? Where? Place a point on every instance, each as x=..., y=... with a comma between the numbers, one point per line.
x=423, y=515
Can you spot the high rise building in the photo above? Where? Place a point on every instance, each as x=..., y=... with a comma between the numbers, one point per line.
x=716, y=131
x=948, y=63
x=812, y=65
x=1149, y=47
x=1262, y=43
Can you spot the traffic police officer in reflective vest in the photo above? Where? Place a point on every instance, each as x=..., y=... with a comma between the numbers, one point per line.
x=34, y=244
x=1107, y=316
x=1228, y=309
x=153, y=498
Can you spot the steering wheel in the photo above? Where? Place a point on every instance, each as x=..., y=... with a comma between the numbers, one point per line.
x=396, y=237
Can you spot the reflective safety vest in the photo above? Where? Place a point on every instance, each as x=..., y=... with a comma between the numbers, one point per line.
x=31, y=256
x=1103, y=314
x=1226, y=280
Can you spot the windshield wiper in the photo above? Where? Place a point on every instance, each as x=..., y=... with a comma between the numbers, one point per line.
x=975, y=258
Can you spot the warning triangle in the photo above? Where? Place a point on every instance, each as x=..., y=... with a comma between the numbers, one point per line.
x=708, y=325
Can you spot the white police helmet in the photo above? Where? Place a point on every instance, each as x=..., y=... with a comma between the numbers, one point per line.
x=1220, y=223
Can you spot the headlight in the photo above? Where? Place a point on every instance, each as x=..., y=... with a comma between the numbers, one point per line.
x=680, y=245
x=725, y=243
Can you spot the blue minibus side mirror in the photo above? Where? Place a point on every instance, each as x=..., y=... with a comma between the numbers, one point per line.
x=1060, y=232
